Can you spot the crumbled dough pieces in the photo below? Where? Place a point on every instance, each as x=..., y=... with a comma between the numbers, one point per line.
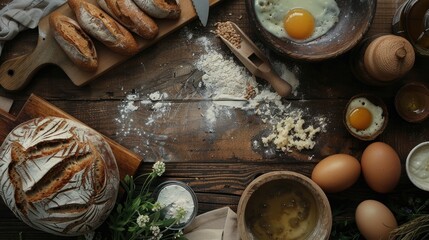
x=290, y=134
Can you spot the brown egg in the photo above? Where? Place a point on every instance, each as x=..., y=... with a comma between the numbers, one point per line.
x=374, y=220
x=336, y=173
x=381, y=167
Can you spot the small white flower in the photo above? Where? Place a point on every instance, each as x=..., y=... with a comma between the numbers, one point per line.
x=142, y=220
x=156, y=207
x=156, y=237
x=178, y=234
x=180, y=212
x=155, y=230
x=158, y=168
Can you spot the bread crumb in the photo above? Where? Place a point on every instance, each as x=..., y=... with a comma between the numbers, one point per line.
x=290, y=134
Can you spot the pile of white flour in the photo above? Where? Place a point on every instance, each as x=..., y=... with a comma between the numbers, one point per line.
x=226, y=83
x=226, y=79
x=223, y=78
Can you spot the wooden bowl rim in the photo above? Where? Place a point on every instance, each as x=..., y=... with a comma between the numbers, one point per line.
x=321, y=199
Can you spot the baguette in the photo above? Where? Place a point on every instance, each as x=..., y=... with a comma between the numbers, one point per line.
x=102, y=27
x=160, y=8
x=131, y=16
x=58, y=176
x=77, y=45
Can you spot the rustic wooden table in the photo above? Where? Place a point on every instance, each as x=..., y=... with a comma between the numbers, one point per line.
x=217, y=157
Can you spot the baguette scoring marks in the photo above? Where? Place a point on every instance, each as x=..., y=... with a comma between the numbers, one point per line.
x=93, y=24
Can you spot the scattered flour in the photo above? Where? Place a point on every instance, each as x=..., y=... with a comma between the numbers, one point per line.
x=132, y=103
x=285, y=73
x=225, y=79
x=227, y=83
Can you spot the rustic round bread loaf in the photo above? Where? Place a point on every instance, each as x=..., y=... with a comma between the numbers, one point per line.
x=58, y=176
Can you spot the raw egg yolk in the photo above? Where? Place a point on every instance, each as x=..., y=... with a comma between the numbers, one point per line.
x=299, y=23
x=360, y=118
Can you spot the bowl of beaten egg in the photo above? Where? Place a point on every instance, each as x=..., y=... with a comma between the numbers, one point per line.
x=365, y=116
x=284, y=205
x=311, y=30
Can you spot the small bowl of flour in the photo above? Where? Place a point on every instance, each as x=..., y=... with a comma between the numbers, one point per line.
x=176, y=196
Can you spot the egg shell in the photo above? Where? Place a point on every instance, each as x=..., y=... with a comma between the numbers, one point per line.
x=374, y=220
x=336, y=173
x=381, y=167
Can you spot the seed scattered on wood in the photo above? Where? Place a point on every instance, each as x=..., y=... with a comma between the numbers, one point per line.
x=250, y=92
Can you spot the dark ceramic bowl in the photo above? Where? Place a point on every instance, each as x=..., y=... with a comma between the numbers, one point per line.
x=354, y=21
x=412, y=102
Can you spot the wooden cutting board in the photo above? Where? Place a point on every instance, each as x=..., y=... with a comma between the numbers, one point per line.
x=128, y=162
x=16, y=73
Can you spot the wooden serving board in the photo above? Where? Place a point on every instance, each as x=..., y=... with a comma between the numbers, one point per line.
x=128, y=162
x=16, y=73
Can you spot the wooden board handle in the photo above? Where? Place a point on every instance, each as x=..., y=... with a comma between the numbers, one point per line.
x=18, y=71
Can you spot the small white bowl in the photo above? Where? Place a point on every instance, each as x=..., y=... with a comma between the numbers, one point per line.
x=417, y=166
x=179, y=188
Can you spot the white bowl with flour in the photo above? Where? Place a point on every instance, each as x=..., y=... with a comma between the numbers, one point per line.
x=175, y=195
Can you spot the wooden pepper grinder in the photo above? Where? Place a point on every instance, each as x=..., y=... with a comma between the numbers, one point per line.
x=382, y=60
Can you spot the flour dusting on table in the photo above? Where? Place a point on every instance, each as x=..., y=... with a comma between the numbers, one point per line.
x=225, y=79
x=227, y=86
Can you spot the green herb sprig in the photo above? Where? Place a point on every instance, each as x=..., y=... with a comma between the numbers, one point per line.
x=139, y=216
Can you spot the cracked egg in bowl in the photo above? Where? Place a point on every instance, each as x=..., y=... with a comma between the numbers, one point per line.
x=365, y=116
x=311, y=30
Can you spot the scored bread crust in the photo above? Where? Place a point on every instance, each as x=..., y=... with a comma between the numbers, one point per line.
x=160, y=8
x=104, y=28
x=58, y=176
x=77, y=45
x=131, y=16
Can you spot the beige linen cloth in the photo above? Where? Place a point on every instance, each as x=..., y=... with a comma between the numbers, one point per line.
x=219, y=224
x=19, y=15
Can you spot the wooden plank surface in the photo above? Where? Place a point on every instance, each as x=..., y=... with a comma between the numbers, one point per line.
x=217, y=159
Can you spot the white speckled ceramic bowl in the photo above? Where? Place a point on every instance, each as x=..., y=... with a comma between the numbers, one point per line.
x=417, y=166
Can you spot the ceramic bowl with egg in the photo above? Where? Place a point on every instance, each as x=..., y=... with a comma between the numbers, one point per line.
x=416, y=166
x=365, y=116
x=284, y=205
x=311, y=30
